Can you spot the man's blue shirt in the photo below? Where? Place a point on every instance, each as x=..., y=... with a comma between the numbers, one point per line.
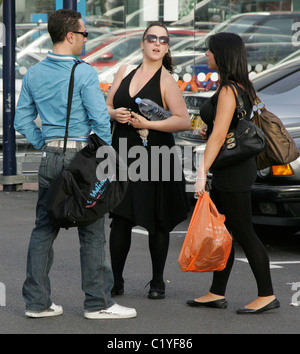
x=45, y=92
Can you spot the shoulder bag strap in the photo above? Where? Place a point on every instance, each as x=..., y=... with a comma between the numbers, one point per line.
x=70, y=95
x=239, y=102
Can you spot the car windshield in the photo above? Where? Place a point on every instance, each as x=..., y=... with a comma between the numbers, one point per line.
x=30, y=36
x=280, y=80
x=238, y=25
x=119, y=48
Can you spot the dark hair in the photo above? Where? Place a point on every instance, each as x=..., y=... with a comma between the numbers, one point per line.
x=167, y=59
x=231, y=58
x=61, y=22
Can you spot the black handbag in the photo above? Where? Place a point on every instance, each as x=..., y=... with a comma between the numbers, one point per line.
x=242, y=142
x=90, y=186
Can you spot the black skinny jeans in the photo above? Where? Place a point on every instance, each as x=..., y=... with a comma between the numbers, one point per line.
x=237, y=209
x=120, y=242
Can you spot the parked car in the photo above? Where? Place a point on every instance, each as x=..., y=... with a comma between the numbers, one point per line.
x=276, y=193
x=267, y=37
x=107, y=53
x=33, y=32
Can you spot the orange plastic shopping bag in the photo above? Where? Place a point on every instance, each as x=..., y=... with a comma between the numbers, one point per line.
x=208, y=243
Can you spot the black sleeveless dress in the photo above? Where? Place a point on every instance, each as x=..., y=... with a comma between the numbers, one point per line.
x=148, y=203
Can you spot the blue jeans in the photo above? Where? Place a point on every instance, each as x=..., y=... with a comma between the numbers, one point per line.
x=96, y=273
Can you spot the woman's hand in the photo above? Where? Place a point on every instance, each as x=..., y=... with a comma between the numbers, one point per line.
x=138, y=121
x=203, y=132
x=201, y=179
x=122, y=115
x=200, y=186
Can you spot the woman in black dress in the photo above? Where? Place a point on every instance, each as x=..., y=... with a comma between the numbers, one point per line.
x=231, y=185
x=157, y=205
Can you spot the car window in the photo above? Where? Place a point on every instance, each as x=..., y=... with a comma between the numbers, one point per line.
x=279, y=25
x=30, y=37
x=283, y=84
x=238, y=25
x=119, y=49
x=277, y=30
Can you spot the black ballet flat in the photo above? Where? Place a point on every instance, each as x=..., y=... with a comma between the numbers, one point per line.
x=156, y=295
x=272, y=305
x=156, y=291
x=115, y=292
x=219, y=304
x=118, y=289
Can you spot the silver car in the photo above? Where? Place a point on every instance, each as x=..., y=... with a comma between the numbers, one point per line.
x=276, y=194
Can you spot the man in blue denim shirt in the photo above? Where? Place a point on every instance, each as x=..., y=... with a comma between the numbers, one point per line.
x=45, y=92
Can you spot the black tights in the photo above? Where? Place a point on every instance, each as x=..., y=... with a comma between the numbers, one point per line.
x=237, y=209
x=120, y=241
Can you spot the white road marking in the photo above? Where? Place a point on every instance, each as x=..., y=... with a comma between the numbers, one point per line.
x=273, y=265
x=145, y=232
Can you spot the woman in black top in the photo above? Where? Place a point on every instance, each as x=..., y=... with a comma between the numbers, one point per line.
x=231, y=185
x=157, y=205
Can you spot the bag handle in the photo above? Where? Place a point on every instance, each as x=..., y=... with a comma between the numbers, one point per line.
x=70, y=95
x=239, y=102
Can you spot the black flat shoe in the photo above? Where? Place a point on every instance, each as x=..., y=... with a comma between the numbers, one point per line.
x=157, y=290
x=272, y=305
x=219, y=304
x=155, y=295
x=118, y=289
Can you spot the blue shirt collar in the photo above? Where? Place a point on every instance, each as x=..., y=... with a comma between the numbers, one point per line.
x=55, y=56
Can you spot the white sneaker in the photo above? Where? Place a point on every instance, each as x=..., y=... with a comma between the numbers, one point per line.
x=114, y=312
x=53, y=310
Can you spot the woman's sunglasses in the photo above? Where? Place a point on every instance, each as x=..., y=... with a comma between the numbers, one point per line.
x=152, y=38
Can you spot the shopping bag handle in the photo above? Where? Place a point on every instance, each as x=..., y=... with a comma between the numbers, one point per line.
x=212, y=208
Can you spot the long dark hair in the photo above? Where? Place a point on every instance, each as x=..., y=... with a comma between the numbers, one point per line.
x=231, y=58
x=167, y=59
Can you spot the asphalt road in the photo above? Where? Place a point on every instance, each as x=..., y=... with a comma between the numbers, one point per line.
x=155, y=317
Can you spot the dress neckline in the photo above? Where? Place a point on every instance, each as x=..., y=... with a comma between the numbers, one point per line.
x=134, y=71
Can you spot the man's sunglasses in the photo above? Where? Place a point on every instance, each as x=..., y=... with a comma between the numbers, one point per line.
x=85, y=34
x=152, y=38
